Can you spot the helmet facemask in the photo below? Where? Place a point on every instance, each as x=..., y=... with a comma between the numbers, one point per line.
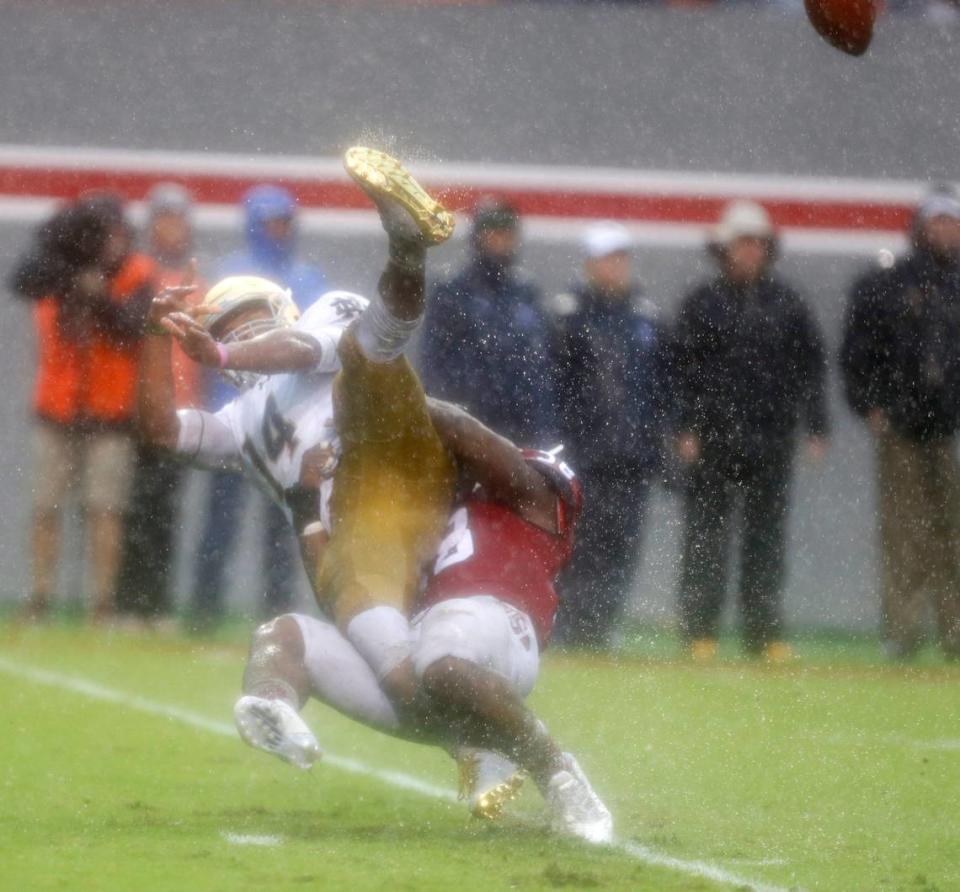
x=245, y=331
x=237, y=296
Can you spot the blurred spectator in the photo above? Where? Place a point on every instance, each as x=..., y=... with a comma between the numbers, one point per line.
x=610, y=354
x=151, y=522
x=901, y=367
x=92, y=294
x=750, y=366
x=270, y=214
x=485, y=338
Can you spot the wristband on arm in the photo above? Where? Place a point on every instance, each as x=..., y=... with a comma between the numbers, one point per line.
x=222, y=353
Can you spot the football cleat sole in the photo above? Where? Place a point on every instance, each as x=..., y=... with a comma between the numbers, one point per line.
x=275, y=727
x=386, y=181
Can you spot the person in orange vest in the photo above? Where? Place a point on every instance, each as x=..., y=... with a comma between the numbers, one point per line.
x=150, y=532
x=92, y=294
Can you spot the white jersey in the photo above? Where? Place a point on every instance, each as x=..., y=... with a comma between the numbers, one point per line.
x=281, y=431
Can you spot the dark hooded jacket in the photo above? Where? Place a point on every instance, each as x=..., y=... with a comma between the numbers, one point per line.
x=901, y=344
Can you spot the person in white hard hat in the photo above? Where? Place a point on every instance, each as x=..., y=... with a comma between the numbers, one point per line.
x=750, y=372
x=609, y=350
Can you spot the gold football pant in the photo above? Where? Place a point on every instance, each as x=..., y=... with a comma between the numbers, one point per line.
x=392, y=489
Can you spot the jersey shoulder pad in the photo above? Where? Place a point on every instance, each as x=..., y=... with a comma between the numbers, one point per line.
x=332, y=309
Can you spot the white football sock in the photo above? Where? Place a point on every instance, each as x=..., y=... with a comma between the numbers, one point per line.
x=381, y=336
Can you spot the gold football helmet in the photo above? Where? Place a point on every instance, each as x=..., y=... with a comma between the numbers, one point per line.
x=233, y=297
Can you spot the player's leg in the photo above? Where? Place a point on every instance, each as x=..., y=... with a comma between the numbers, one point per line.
x=275, y=687
x=394, y=481
x=293, y=658
x=477, y=659
x=412, y=220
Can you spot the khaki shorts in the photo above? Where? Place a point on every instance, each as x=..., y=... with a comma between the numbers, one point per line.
x=392, y=489
x=99, y=465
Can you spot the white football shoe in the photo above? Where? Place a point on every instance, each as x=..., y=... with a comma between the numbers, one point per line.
x=574, y=809
x=274, y=726
x=488, y=781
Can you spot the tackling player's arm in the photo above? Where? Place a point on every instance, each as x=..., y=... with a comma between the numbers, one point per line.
x=496, y=464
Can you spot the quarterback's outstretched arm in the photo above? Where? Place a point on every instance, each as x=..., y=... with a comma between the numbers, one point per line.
x=275, y=352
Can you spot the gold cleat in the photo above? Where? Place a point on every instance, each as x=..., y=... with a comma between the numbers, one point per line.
x=389, y=185
x=489, y=782
x=489, y=805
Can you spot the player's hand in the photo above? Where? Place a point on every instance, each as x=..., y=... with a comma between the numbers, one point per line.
x=688, y=447
x=195, y=340
x=172, y=300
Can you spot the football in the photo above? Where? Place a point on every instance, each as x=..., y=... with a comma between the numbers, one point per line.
x=844, y=24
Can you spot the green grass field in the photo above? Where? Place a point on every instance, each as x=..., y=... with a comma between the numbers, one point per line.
x=119, y=772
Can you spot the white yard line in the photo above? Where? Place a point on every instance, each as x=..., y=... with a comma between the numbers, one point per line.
x=945, y=745
x=252, y=839
x=95, y=691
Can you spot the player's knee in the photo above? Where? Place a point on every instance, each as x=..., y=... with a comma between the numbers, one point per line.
x=277, y=638
x=447, y=677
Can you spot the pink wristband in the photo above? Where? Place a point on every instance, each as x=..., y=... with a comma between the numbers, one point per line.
x=222, y=351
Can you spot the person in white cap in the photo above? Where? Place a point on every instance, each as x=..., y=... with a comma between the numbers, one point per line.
x=750, y=370
x=609, y=352
x=901, y=367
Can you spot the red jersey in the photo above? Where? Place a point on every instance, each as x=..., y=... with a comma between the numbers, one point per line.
x=490, y=550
